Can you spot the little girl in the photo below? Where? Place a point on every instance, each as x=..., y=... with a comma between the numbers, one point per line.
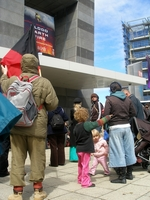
x=101, y=153
x=84, y=143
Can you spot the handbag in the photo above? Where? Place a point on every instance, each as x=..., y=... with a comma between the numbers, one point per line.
x=9, y=115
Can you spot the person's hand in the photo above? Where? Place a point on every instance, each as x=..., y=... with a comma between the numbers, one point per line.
x=110, y=116
x=4, y=69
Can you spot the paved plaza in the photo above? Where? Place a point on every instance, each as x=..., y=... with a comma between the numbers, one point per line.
x=61, y=183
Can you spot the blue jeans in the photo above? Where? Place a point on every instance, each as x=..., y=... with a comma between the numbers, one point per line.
x=121, y=147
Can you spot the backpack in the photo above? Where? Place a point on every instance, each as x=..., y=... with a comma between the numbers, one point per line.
x=57, y=122
x=20, y=95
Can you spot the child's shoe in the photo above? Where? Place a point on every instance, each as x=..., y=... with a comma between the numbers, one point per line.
x=15, y=196
x=107, y=174
x=93, y=185
x=39, y=194
x=91, y=174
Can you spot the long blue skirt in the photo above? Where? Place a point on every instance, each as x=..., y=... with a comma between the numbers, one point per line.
x=72, y=154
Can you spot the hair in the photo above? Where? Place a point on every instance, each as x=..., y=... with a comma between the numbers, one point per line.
x=115, y=86
x=126, y=91
x=96, y=132
x=81, y=114
x=77, y=100
x=95, y=95
x=77, y=105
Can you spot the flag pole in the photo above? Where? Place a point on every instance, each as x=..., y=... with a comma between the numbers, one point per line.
x=39, y=70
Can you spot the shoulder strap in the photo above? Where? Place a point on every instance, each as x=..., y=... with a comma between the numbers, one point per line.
x=98, y=110
x=27, y=78
x=33, y=78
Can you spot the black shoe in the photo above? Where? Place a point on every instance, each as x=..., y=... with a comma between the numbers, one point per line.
x=6, y=174
x=53, y=165
x=93, y=185
x=118, y=180
x=129, y=176
x=91, y=174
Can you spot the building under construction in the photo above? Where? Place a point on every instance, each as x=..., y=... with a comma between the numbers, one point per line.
x=136, y=35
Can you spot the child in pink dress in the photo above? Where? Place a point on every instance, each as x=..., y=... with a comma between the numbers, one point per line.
x=101, y=153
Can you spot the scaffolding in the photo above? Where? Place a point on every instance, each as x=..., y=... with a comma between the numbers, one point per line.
x=136, y=39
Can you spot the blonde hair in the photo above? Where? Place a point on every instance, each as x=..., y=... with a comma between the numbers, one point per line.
x=77, y=106
x=96, y=132
x=81, y=114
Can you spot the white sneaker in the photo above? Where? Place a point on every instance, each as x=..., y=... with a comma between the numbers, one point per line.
x=39, y=195
x=17, y=196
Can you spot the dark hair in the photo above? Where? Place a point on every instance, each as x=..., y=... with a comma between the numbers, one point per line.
x=115, y=86
x=95, y=95
x=77, y=100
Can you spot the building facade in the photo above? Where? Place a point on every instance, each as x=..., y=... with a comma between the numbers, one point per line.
x=72, y=70
x=136, y=36
x=74, y=34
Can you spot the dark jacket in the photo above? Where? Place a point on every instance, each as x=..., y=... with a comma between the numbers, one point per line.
x=83, y=134
x=138, y=107
x=71, y=128
x=84, y=139
x=97, y=110
x=60, y=111
x=121, y=107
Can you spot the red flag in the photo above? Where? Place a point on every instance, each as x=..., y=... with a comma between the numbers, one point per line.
x=27, y=44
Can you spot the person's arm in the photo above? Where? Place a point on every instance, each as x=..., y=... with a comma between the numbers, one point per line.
x=100, y=152
x=64, y=115
x=103, y=149
x=88, y=125
x=51, y=100
x=5, y=82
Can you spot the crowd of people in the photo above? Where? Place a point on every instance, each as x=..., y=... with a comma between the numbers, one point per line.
x=86, y=133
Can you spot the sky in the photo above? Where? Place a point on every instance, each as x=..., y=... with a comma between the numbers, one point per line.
x=108, y=41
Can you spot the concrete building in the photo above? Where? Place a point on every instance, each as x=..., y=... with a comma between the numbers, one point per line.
x=136, y=36
x=71, y=72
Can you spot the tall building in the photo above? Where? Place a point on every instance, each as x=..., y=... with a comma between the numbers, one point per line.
x=136, y=35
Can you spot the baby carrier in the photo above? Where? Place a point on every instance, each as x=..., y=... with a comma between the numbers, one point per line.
x=141, y=130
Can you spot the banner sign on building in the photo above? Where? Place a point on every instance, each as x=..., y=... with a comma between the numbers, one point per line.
x=44, y=29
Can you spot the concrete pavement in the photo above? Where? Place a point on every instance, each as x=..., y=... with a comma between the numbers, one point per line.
x=61, y=183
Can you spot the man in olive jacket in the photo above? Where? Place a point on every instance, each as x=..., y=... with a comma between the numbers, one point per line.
x=30, y=139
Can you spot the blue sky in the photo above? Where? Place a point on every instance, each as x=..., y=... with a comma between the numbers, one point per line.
x=109, y=50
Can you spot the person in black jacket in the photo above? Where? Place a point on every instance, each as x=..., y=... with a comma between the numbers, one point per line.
x=56, y=138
